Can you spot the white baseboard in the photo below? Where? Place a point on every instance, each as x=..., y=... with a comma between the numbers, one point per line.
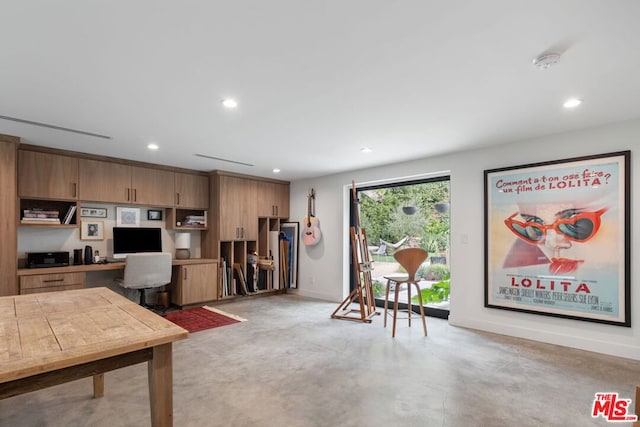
x=628, y=351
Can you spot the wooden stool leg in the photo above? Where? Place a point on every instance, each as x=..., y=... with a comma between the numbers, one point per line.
x=98, y=385
x=395, y=309
x=386, y=301
x=424, y=321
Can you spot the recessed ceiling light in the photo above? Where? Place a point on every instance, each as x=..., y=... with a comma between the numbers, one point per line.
x=152, y=146
x=366, y=150
x=229, y=103
x=276, y=170
x=572, y=103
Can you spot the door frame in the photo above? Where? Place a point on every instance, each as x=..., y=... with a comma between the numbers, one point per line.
x=428, y=311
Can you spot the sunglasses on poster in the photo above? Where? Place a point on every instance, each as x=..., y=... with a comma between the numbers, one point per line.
x=574, y=225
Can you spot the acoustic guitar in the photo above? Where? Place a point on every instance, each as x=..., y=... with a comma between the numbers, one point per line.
x=311, y=226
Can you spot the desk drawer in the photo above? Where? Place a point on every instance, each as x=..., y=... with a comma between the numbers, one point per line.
x=50, y=289
x=57, y=281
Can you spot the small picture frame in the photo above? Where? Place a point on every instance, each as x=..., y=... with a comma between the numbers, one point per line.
x=127, y=217
x=154, y=215
x=92, y=230
x=93, y=212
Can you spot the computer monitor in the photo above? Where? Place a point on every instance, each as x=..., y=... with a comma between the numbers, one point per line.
x=131, y=240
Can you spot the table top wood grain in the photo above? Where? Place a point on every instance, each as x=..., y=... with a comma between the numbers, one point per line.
x=49, y=331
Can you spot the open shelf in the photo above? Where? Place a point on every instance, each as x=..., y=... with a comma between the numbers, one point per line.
x=179, y=219
x=53, y=209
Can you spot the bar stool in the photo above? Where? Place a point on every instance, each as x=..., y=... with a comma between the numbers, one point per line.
x=410, y=259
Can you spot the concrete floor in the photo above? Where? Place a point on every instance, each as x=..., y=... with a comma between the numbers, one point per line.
x=292, y=365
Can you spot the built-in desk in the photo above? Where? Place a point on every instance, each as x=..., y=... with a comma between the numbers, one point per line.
x=193, y=280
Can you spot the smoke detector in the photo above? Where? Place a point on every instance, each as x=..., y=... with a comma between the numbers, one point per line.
x=546, y=60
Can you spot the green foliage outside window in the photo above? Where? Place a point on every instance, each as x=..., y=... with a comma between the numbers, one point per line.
x=438, y=292
x=382, y=217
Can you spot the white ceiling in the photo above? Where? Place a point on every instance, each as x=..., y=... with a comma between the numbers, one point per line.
x=316, y=80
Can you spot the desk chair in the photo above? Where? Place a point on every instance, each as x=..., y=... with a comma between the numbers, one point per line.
x=146, y=270
x=410, y=259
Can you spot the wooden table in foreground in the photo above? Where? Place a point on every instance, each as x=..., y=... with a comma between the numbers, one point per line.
x=52, y=338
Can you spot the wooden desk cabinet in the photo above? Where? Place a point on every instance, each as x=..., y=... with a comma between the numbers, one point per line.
x=194, y=283
x=192, y=280
x=51, y=282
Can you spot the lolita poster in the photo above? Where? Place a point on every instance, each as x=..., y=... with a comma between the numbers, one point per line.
x=556, y=238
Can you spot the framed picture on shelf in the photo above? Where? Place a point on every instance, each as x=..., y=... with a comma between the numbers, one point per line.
x=557, y=238
x=92, y=230
x=127, y=217
x=154, y=215
x=93, y=212
x=290, y=232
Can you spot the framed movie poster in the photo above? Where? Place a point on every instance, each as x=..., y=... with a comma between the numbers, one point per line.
x=557, y=238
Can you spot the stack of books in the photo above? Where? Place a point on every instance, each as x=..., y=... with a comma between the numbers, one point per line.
x=40, y=216
x=195, y=221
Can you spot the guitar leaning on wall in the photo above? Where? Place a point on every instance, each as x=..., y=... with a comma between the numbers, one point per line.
x=311, y=226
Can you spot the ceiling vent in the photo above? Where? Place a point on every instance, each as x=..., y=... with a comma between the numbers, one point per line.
x=223, y=160
x=45, y=125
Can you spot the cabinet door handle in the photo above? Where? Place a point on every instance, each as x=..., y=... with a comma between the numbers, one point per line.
x=185, y=274
x=75, y=189
x=128, y=194
x=177, y=198
x=53, y=280
x=135, y=194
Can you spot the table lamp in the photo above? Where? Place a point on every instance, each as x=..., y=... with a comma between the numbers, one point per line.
x=183, y=245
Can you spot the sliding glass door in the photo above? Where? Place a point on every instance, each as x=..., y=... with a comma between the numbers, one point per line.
x=409, y=214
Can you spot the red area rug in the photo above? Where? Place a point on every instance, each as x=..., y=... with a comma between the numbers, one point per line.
x=199, y=319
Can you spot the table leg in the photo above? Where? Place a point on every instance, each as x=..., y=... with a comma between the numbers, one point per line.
x=98, y=385
x=161, y=386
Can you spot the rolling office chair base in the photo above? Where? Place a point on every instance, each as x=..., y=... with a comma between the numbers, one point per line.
x=160, y=309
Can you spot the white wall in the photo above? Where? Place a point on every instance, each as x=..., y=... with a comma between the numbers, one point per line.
x=323, y=268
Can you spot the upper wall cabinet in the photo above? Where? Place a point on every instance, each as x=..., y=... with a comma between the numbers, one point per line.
x=192, y=191
x=47, y=176
x=152, y=187
x=273, y=199
x=118, y=183
x=237, y=216
x=105, y=181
